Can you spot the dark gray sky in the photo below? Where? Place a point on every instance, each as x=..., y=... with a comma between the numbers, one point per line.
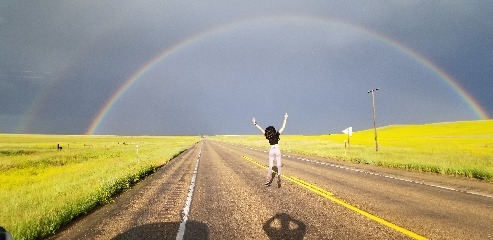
x=229, y=61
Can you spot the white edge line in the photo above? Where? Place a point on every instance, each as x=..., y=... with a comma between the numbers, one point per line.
x=186, y=209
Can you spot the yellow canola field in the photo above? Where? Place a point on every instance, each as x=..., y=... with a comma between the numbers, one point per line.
x=455, y=148
x=43, y=188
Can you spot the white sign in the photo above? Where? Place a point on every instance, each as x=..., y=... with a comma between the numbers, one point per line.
x=348, y=131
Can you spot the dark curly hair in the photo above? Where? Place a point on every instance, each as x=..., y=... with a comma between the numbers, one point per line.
x=272, y=135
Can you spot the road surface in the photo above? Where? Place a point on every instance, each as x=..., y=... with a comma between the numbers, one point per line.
x=215, y=191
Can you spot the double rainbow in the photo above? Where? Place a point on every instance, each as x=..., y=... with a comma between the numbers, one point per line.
x=472, y=103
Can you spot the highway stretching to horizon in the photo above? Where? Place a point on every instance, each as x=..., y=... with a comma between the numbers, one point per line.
x=216, y=190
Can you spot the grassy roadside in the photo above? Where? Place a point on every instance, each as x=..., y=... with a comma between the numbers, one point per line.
x=41, y=188
x=456, y=148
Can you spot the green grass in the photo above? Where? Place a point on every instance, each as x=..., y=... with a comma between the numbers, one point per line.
x=456, y=148
x=41, y=189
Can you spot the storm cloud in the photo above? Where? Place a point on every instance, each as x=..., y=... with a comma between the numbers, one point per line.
x=222, y=63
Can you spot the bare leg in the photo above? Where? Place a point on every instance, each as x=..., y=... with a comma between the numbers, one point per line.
x=269, y=171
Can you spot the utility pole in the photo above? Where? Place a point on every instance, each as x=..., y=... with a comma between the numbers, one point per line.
x=374, y=116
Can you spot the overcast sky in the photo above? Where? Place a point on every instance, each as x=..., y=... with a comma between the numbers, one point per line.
x=224, y=62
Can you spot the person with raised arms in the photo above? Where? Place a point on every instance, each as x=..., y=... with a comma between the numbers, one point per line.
x=272, y=135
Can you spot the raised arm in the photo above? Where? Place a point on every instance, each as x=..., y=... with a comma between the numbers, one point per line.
x=256, y=125
x=284, y=123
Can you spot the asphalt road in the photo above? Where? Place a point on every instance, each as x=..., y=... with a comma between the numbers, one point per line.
x=218, y=189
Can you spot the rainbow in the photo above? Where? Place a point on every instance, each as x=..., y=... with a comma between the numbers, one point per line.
x=477, y=109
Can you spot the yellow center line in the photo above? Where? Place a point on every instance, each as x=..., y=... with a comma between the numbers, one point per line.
x=328, y=195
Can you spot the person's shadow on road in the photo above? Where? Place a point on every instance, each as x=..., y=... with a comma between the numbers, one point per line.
x=289, y=228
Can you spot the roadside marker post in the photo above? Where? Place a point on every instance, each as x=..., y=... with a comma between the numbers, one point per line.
x=349, y=132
